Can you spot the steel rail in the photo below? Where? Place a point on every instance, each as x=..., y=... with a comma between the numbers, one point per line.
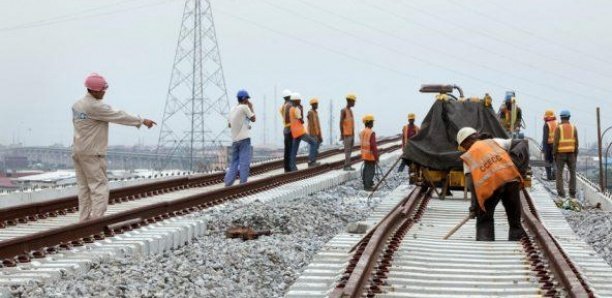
x=377, y=248
x=31, y=212
x=561, y=265
x=21, y=249
x=358, y=274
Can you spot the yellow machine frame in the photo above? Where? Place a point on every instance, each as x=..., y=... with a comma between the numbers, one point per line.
x=446, y=180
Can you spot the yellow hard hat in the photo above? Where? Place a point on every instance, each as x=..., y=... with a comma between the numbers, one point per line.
x=367, y=117
x=549, y=113
x=411, y=116
x=351, y=96
x=313, y=100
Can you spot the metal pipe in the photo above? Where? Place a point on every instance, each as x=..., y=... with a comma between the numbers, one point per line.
x=606, y=168
x=599, y=138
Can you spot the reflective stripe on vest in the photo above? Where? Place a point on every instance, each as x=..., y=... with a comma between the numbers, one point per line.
x=366, y=151
x=567, y=138
x=348, y=123
x=552, y=127
x=491, y=168
x=314, y=128
x=297, y=127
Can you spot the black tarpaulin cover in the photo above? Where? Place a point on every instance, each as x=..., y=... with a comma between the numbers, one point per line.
x=435, y=146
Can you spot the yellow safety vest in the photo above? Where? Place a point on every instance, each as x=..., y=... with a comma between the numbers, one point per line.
x=552, y=128
x=567, y=138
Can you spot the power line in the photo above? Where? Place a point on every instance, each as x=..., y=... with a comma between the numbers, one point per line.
x=484, y=49
x=368, y=42
x=528, y=32
x=500, y=40
x=450, y=53
x=80, y=15
x=317, y=45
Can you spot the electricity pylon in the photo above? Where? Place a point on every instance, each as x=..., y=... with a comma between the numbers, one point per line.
x=194, y=124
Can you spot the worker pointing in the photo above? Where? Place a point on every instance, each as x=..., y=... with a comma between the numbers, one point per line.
x=369, y=152
x=493, y=177
x=90, y=118
x=347, y=130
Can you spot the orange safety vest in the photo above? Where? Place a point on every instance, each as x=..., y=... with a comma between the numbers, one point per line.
x=552, y=127
x=284, y=111
x=567, y=138
x=348, y=123
x=491, y=168
x=314, y=128
x=297, y=127
x=409, y=133
x=366, y=150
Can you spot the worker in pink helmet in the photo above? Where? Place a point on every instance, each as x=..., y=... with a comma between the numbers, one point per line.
x=90, y=117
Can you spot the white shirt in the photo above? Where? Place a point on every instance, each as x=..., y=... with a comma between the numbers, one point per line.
x=504, y=143
x=90, y=118
x=240, y=123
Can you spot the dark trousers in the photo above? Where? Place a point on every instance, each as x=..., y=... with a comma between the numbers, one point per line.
x=509, y=194
x=367, y=175
x=288, y=145
x=561, y=160
x=550, y=164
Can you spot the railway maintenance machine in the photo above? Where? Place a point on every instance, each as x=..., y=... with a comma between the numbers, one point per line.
x=433, y=154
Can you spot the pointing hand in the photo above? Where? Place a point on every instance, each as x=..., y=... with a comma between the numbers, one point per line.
x=149, y=123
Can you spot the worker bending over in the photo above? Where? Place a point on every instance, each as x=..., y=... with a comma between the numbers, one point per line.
x=347, y=130
x=369, y=152
x=565, y=149
x=548, y=138
x=493, y=177
x=288, y=140
x=240, y=118
x=408, y=131
x=90, y=118
x=314, y=125
x=298, y=133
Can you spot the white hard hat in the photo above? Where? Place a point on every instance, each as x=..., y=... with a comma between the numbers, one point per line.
x=296, y=96
x=286, y=93
x=464, y=133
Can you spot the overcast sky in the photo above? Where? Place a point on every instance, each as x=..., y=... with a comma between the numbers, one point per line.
x=555, y=54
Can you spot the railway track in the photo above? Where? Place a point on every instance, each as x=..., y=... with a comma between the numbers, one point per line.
x=39, y=234
x=404, y=255
x=59, y=207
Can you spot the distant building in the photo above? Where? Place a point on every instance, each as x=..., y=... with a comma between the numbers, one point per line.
x=7, y=184
x=48, y=179
x=15, y=162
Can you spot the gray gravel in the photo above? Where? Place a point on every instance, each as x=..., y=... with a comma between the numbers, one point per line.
x=592, y=225
x=214, y=266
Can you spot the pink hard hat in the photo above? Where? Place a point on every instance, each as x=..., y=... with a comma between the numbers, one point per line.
x=96, y=82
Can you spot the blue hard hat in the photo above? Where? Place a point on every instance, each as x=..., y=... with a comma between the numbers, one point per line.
x=242, y=94
x=565, y=114
x=509, y=95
